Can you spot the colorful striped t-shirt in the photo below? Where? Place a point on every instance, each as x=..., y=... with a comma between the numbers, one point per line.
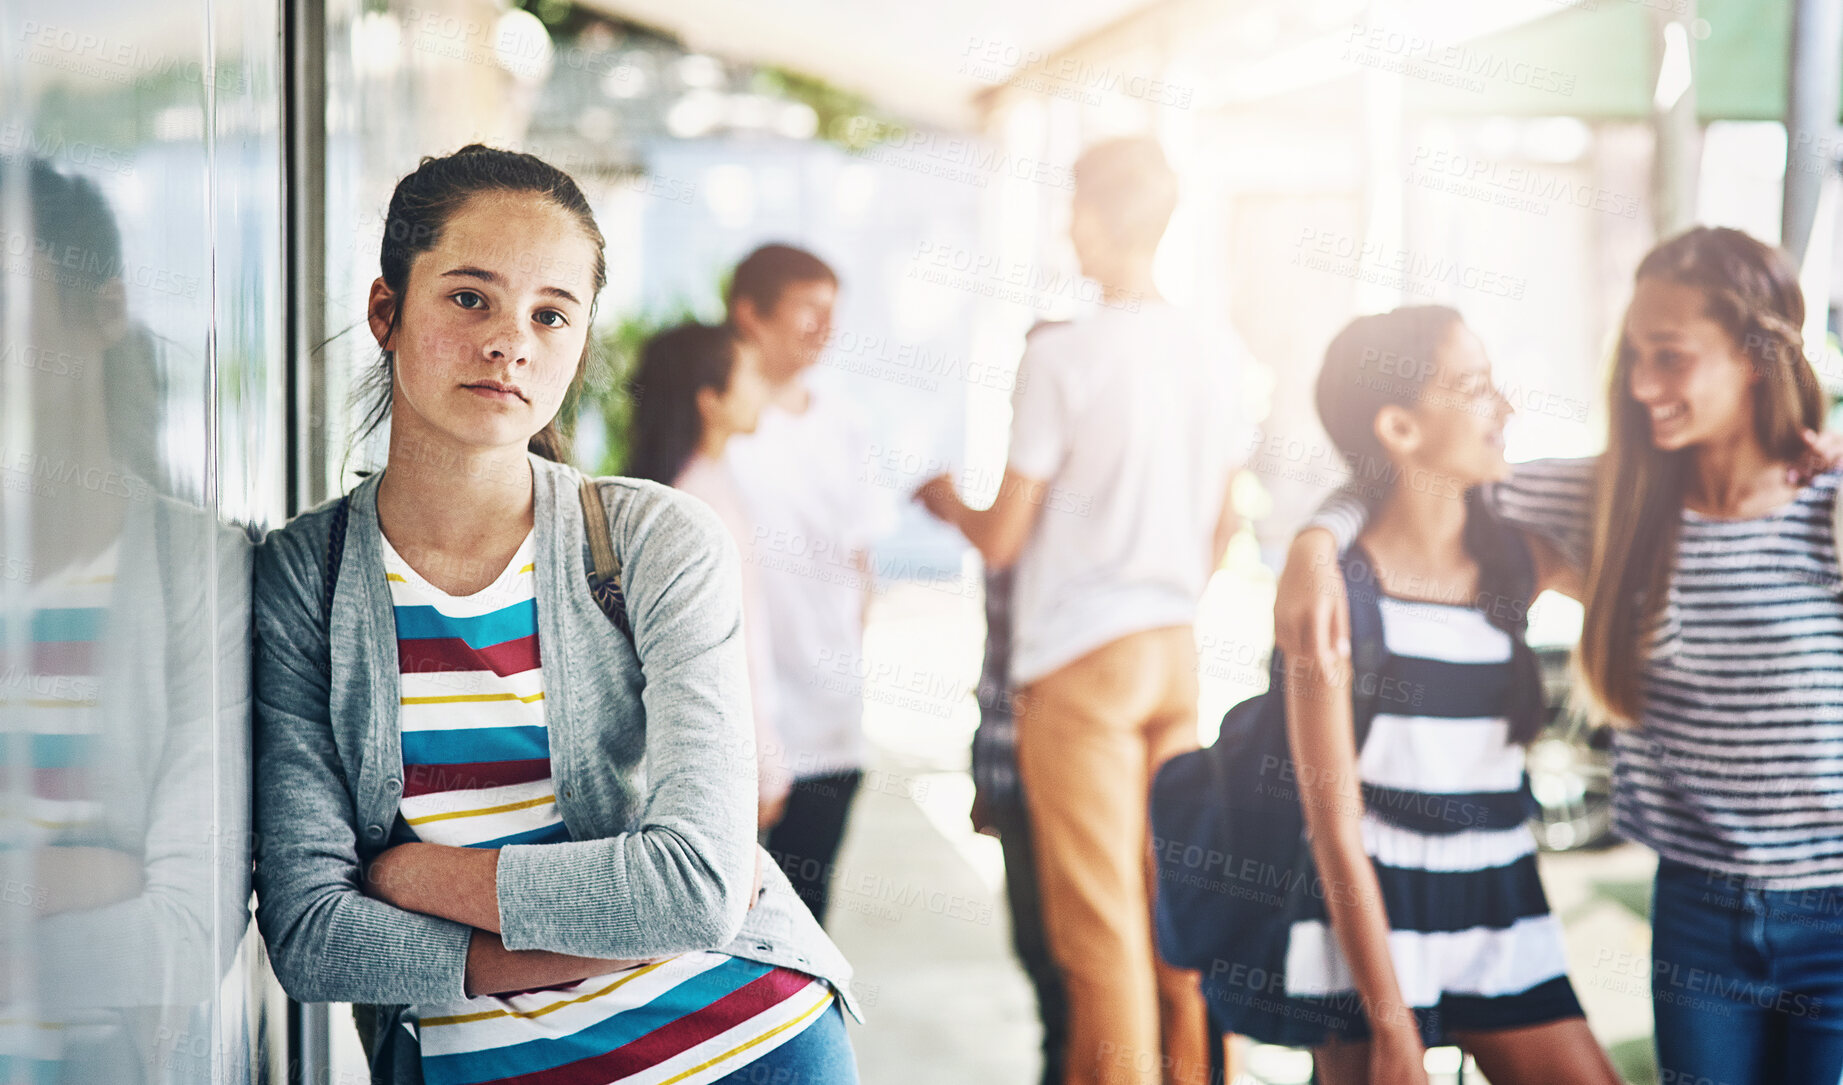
x=57, y=696
x=61, y=692
x=476, y=773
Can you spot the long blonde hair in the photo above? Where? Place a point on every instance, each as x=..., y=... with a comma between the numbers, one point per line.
x=1751, y=290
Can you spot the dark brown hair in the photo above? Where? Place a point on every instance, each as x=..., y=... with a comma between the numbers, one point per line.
x=765, y=274
x=675, y=366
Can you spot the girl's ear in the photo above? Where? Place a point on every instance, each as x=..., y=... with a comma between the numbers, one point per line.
x=710, y=405
x=380, y=310
x=1396, y=428
x=744, y=316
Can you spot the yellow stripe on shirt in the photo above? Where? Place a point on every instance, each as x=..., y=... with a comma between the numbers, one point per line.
x=525, y=805
x=472, y=698
x=464, y=1018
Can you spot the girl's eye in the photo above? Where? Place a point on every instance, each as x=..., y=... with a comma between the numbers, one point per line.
x=468, y=299
x=550, y=318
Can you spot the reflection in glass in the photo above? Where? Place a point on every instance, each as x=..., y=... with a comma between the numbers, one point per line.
x=124, y=827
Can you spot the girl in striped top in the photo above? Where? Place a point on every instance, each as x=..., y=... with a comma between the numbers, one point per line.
x=1714, y=633
x=1433, y=928
x=491, y=264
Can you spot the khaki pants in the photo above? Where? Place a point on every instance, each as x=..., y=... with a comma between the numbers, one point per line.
x=1089, y=738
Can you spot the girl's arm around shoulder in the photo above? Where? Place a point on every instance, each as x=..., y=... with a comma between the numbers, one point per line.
x=1552, y=499
x=326, y=939
x=682, y=879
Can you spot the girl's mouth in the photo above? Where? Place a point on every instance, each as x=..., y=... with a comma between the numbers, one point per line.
x=498, y=390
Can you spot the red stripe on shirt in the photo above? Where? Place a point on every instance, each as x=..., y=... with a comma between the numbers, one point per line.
x=675, y=1037
x=62, y=657
x=472, y=776
x=68, y=784
x=440, y=654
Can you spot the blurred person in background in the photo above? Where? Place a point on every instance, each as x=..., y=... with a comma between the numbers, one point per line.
x=813, y=520
x=1114, y=506
x=697, y=386
x=1440, y=932
x=1713, y=637
x=999, y=810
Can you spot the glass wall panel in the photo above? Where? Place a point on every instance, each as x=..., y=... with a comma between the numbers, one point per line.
x=140, y=414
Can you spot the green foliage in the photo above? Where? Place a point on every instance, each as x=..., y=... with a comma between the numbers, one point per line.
x=846, y=119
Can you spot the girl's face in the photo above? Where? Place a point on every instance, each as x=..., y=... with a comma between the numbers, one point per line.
x=1684, y=369
x=492, y=323
x=737, y=408
x=1458, y=425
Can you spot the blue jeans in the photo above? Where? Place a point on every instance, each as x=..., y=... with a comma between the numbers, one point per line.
x=820, y=1055
x=1746, y=983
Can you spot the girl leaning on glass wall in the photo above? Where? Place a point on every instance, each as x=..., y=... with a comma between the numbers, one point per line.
x=514, y=815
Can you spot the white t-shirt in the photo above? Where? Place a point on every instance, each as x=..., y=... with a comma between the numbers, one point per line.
x=1134, y=418
x=813, y=514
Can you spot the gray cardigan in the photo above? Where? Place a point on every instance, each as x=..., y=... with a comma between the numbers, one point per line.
x=652, y=753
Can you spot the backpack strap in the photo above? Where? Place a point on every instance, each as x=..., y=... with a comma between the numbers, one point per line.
x=1369, y=652
x=335, y=554
x=604, y=565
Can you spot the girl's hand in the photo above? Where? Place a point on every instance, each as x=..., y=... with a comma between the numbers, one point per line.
x=1823, y=452
x=938, y=497
x=1397, y=1057
x=769, y=809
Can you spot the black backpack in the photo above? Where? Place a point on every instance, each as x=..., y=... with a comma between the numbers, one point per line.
x=1229, y=840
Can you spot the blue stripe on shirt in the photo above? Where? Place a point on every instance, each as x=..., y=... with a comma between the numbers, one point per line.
x=479, y=631
x=467, y=745
x=61, y=624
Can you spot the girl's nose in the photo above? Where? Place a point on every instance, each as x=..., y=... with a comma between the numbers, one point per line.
x=508, y=340
x=1642, y=382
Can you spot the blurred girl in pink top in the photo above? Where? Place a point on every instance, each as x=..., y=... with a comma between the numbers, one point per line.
x=698, y=385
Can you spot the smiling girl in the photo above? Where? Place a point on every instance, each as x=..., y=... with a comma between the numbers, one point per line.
x=520, y=827
x=1714, y=633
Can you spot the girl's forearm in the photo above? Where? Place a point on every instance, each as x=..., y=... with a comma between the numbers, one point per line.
x=494, y=969
x=1360, y=923
x=459, y=884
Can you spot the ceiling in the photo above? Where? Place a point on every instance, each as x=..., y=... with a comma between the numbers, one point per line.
x=924, y=61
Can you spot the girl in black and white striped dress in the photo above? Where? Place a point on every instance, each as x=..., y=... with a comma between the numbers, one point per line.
x=1714, y=631
x=1432, y=927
